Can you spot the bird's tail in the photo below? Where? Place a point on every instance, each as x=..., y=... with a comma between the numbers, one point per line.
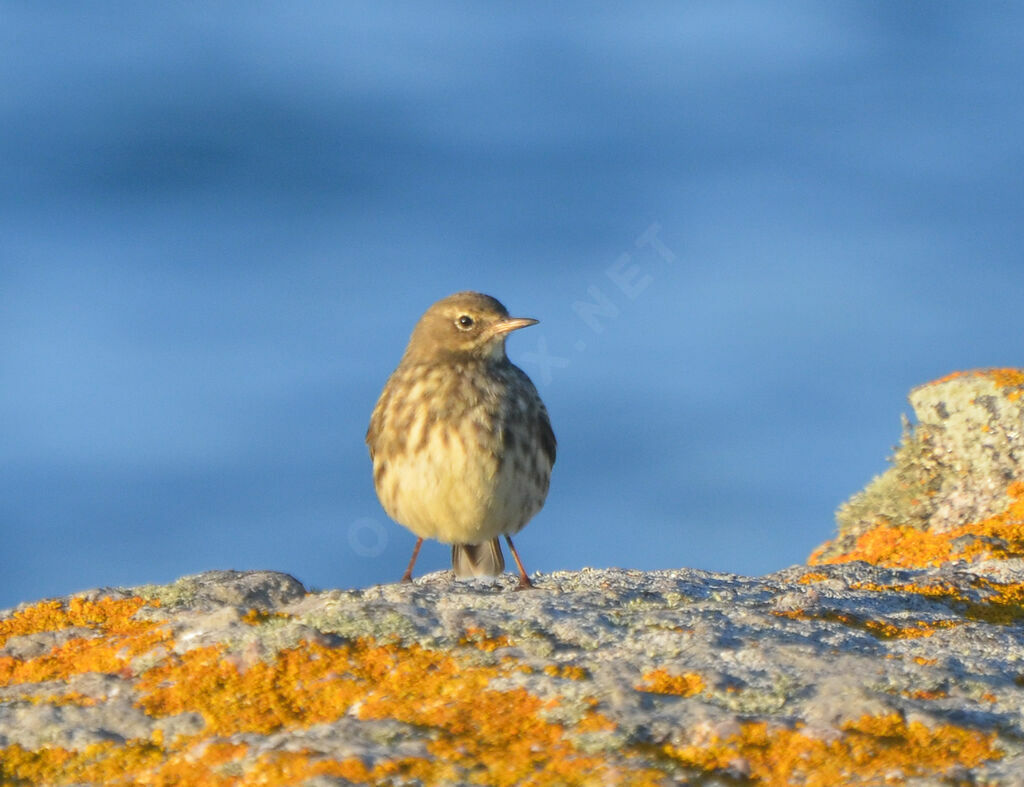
x=478, y=560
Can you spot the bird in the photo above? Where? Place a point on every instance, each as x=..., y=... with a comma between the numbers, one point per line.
x=461, y=443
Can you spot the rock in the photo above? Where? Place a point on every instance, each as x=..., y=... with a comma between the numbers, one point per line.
x=852, y=674
x=895, y=660
x=955, y=490
x=213, y=589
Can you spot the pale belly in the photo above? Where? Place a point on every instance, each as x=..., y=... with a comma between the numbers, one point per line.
x=454, y=491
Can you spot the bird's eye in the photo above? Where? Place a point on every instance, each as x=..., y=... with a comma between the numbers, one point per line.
x=464, y=323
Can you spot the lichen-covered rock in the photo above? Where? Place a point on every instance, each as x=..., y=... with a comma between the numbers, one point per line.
x=955, y=490
x=906, y=668
x=848, y=674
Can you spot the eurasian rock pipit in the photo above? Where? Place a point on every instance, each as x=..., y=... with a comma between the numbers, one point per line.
x=461, y=444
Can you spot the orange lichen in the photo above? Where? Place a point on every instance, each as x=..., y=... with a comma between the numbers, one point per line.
x=187, y=761
x=471, y=732
x=112, y=656
x=1004, y=606
x=925, y=694
x=1001, y=604
x=99, y=763
x=871, y=750
x=915, y=630
x=570, y=671
x=501, y=737
x=594, y=721
x=895, y=546
x=481, y=640
x=117, y=638
x=900, y=546
x=661, y=682
x=941, y=590
x=880, y=628
x=1006, y=377
x=105, y=616
x=812, y=576
x=67, y=698
x=512, y=664
x=255, y=617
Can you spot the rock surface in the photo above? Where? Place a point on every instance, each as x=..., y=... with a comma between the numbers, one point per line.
x=846, y=674
x=905, y=669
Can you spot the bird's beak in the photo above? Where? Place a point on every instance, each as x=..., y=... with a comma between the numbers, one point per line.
x=513, y=324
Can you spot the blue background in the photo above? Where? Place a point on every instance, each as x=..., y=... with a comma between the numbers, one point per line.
x=219, y=223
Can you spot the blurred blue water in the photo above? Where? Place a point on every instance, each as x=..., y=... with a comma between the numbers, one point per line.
x=219, y=224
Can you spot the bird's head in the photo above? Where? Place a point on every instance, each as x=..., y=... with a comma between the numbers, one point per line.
x=466, y=324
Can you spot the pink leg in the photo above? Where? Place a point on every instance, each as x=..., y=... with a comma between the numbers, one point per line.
x=524, y=581
x=407, y=576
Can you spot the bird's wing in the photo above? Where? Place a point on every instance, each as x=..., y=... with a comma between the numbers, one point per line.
x=547, y=435
x=376, y=422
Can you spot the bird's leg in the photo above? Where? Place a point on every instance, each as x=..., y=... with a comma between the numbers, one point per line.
x=407, y=576
x=524, y=581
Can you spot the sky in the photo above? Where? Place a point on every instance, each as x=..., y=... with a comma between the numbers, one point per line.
x=747, y=229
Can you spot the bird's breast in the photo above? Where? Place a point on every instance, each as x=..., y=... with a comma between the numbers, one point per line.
x=453, y=456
